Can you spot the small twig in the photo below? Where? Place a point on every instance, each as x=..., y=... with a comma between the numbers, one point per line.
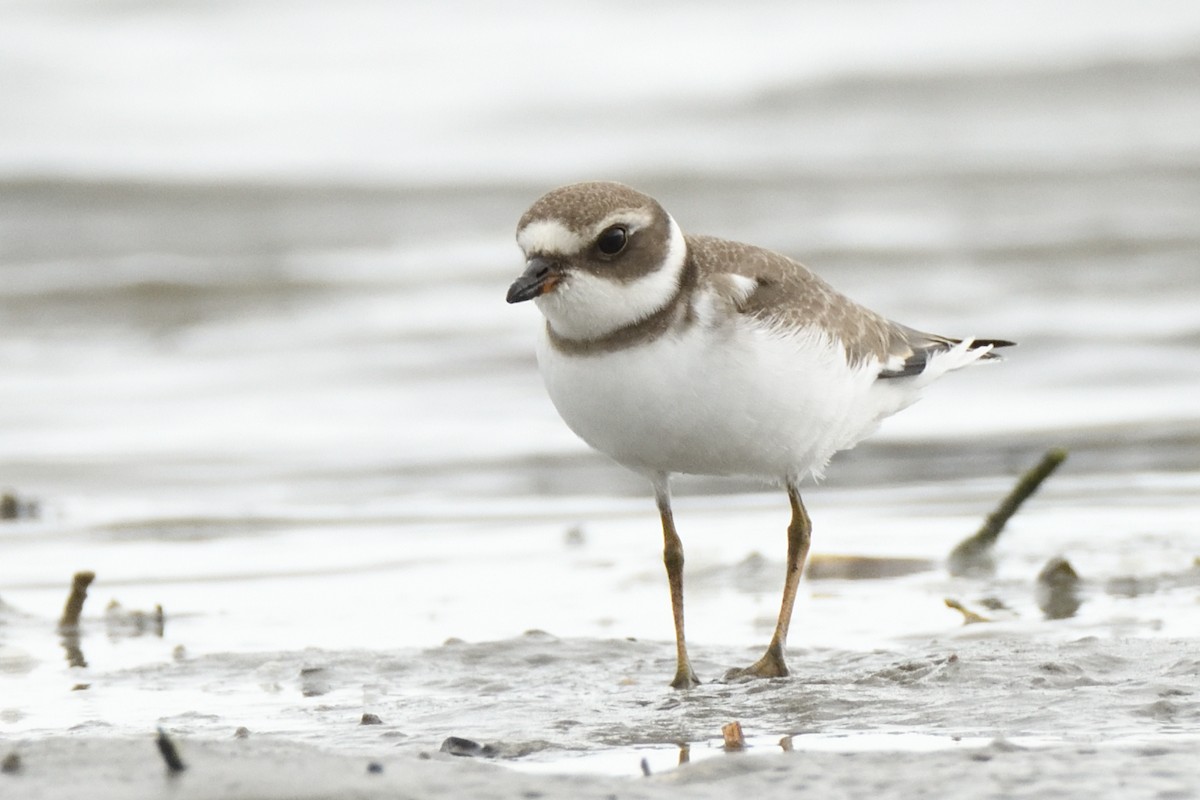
x=969, y=616
x=732, y=734
x=74, y=606
x=973, y=556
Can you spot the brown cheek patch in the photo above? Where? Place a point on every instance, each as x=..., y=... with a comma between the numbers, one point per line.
x=549, y=285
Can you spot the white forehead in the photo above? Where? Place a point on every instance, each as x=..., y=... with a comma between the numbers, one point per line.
x=550, y=236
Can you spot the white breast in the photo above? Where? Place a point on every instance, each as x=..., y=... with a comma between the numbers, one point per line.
x=730, y=399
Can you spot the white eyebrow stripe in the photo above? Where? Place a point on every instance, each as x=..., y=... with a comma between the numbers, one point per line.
x=549, y=236
x=634, y=219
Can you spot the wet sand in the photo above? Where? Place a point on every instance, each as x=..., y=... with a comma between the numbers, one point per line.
x=991, y=712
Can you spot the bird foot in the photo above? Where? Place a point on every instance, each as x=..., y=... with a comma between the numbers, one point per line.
x=685, y=678
x=771, y=665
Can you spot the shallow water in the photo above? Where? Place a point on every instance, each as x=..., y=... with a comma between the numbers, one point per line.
x=261, y=373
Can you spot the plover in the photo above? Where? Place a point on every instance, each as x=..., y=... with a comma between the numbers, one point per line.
x=674, y=353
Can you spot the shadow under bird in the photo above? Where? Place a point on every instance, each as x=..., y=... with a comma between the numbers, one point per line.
x=674, y=353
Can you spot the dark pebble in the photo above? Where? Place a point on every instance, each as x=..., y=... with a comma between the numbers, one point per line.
x=370, y=719
x=11, y=764
x=374, y=768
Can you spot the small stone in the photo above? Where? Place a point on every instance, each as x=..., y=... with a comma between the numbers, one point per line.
x=457, y=746
x=374, y=768
x=1057, y=590
x=79, y=687
x=370, y=719
x=242, y=733
x=11, y=764
x=314, y=681
x=574, y=537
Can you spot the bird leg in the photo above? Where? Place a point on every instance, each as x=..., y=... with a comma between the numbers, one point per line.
x=685, y=678
x=772, y=665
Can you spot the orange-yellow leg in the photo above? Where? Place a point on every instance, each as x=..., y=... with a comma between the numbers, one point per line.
x=772, y=664
x=685, y=678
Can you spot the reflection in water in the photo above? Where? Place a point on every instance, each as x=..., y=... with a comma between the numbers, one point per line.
x=69, y=637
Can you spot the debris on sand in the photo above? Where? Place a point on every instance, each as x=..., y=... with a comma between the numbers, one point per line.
x=133, y=622
x=973, y=556
x=842, y=567
x=969, y=616
x=14, y=507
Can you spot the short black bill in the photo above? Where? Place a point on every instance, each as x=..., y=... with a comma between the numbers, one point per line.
x=539, y=277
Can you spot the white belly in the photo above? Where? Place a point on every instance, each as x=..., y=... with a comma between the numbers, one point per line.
x=736, y=399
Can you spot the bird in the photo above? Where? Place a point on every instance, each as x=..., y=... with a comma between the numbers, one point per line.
x=687, y=354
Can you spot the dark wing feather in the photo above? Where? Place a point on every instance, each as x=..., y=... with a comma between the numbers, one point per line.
x=917, y=347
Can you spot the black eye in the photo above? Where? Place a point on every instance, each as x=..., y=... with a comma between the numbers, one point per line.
x=612, y=241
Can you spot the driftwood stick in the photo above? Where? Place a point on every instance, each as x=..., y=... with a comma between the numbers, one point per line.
x=74, y=606
x=170, y=756
x=973, y=555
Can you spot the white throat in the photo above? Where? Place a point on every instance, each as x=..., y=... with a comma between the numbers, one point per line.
x=587, y=306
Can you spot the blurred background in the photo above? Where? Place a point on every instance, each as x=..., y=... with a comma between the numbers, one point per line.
x=253, y=254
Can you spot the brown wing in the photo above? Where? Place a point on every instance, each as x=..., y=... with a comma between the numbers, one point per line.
x=789, y=294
